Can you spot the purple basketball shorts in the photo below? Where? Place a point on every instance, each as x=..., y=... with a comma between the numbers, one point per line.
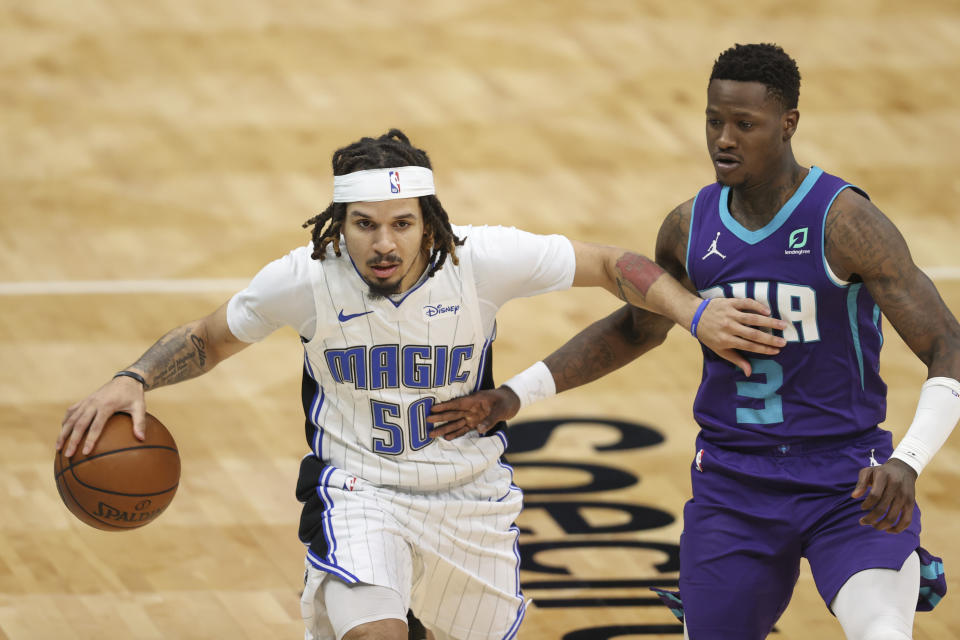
x=754, y=515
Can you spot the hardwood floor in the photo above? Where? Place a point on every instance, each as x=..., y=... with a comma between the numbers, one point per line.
x=156, y=155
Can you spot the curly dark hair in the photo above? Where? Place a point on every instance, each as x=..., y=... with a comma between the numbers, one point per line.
x=393, y=149
x=766, y=63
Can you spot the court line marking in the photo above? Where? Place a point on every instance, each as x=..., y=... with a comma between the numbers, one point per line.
x=122, y=287
x=212, y=285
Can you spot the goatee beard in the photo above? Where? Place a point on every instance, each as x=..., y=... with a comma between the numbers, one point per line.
x=380, y=291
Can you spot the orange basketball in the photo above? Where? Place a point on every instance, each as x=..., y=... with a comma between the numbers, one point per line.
x=123, y=483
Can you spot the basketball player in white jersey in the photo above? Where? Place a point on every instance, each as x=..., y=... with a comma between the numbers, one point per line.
x=395, y=308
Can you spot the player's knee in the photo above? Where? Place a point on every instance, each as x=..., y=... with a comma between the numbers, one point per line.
x=389, y=629
x=886, y=628
x=885, y=634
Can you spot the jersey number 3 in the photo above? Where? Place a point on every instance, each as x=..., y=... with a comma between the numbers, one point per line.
x=772, y=411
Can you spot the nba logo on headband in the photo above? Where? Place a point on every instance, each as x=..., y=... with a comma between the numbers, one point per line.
x=368, y=185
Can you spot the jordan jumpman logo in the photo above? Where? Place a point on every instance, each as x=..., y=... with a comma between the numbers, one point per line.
x=713, y=249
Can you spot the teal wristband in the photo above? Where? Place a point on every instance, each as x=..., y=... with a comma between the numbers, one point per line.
x=696, y=317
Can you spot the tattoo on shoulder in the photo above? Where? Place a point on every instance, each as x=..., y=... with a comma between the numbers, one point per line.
x=860, y=241
x=672, y=241
x=834, y=250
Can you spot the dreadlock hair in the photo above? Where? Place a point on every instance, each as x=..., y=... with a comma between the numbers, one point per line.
x=766, y=63
x=393, y=149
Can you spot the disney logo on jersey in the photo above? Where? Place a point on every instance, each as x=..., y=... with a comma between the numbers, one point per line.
x=431, y=311
x=796, y=242
x=394, y=182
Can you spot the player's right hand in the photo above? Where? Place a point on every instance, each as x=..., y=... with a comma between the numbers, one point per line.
x=480, y=411
x=731, y=324
x=892, y=495
x=88, y=416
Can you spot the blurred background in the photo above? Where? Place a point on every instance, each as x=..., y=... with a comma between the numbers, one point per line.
x=153, y=156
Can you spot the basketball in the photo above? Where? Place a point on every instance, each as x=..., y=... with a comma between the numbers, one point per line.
x=122, y=483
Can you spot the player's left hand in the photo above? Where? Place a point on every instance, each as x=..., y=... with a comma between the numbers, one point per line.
x=892, y=488
x=729, y=325
x=481, y=411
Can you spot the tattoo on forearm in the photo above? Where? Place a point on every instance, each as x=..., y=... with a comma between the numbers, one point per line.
x=638, y=273
x=606, y=345
x=177, y=356
x=580, y=362
x=199, y=344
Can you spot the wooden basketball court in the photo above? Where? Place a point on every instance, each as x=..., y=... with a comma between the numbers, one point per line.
x=156, y=155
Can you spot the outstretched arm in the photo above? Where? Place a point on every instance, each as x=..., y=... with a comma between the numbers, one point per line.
x=862, y=244
x=626, y=334
x=601, y=348
x=183, y=353
x=723, y=325
x=605, y=346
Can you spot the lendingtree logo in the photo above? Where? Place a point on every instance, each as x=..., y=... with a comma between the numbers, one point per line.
x=798, y=239
x=796, y=243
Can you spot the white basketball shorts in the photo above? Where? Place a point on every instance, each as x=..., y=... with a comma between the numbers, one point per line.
x=452, y=556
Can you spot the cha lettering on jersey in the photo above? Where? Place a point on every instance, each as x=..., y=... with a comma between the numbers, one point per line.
x=444, y=309
x=795, y=303
x=390, y=366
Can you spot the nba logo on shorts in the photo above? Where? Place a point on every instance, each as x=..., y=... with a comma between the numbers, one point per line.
x=698, y=460
x=394, y=182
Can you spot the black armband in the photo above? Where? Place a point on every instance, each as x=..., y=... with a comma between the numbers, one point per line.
x=131, y=374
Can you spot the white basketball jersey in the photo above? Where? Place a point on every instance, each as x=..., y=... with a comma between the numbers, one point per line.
x=373, y=368
x=380, y=365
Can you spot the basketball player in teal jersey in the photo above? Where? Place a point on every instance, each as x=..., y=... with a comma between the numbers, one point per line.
x=790, y=461
x=395, y=308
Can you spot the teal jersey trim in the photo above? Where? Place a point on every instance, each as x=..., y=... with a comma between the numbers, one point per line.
x=876, y=322
x=693, y=211
x=932, y=571
x=753, y=237
x=823, y=241
x=854, y=325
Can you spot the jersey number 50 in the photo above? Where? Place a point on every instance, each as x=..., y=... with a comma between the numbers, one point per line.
x=388, y=418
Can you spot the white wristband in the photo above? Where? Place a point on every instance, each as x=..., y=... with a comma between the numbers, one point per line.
x=532, y=384
x=937, y=414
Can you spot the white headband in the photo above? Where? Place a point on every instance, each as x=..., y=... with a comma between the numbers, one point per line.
x=375, y=185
